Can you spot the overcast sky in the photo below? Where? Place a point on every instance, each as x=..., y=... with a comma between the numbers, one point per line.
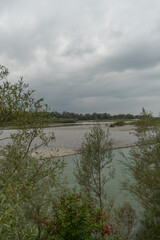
x=85, y=55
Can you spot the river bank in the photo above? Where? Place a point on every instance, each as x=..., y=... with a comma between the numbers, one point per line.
x=68, y=139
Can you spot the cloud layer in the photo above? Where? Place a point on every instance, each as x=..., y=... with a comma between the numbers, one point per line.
x=85, y=55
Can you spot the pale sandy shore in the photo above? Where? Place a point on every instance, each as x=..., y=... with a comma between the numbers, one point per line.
x=68, y=152
x=68, y=139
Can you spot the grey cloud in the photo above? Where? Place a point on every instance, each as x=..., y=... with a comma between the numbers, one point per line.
x=86, y=55
x=78, y=51
x=134, y=56
x=122, y=87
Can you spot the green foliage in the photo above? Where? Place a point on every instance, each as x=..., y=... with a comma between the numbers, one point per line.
x=95, y=154
x=144, y=167
x=74, y=216
x=150, y=227
x=61, y=120
x=26, y=175
x=27, y=178
x=118, y=123
x=18, y=104
x=123, y=221
x=3, y=72
x=90, y=116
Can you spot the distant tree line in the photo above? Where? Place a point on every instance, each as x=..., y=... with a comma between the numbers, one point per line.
x=91, y=116
x=66, y=117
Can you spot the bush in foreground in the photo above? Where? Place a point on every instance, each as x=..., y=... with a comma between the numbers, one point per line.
x=74, y=216
x=26, y=175
x=143, y=165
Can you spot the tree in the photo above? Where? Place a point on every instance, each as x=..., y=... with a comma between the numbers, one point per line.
x=143, y=165
x=26, y=175
x=96, y=155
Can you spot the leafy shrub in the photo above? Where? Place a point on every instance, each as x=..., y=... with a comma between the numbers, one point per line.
x=24, y=171
x=144, y=165
x=118, y=123
x=149, y=228
x=124, y=220
x=74, y=216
